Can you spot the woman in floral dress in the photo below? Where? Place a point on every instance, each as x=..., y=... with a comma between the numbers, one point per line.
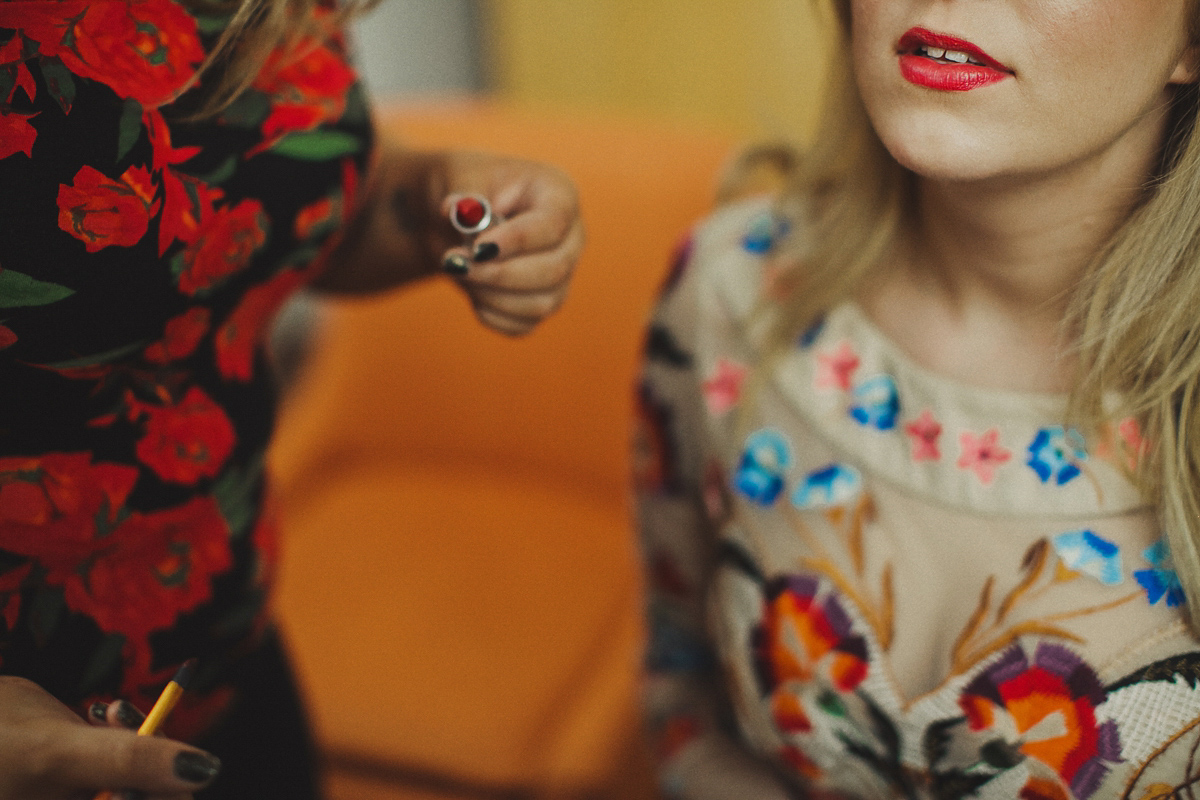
x=170, y=172
x=919, y=463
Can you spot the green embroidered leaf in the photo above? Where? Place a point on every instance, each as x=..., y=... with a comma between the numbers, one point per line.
x=1001, y=755
x=105, y=661
x=222, y=173
x=60, y=82
x=116, y=354
x=831, y=704
x=248, y=110
x=317, y=145
x=18, y=289
x=129, y=128
x=235, y=492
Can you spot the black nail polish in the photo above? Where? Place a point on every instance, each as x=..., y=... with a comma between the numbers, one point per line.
x=98, y=711
x=129, y=716
x=456, y=265
x=486, y=251
x=196, y=767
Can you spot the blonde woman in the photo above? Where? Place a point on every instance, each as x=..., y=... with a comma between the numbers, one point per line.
x=919, y=482
x=170, y=173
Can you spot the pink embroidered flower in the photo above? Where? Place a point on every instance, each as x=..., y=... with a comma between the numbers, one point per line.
x=924, y=431
x=835, y=370
x=724, y=388
x=983, y=454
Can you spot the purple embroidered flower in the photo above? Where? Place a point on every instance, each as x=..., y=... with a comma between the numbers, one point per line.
x=1044, y=712
x=1087, y=553
x=761, y=469
x=876, y=403
x=1056, y=453
x=1161, y=580
x=834, y=485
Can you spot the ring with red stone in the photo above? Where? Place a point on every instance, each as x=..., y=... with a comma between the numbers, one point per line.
x=471, y=214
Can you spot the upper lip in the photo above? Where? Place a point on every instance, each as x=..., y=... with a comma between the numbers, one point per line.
x=917, y=38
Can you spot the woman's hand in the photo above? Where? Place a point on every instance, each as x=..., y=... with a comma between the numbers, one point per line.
x=49, y=753
x=515, y=273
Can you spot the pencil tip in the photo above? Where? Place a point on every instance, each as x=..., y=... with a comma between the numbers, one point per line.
x=184, y=676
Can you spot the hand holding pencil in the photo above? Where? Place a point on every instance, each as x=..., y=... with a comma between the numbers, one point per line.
x=48, y=753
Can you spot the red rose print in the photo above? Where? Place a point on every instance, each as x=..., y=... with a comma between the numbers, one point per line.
x=187, y=441
x=144, y=49
x=12, y=57
x=187, y=204
x=100, y=211
x=53, y=506
x=315, y=217
x=7, y=337
x=16, y=134
x=223, y=245
x=238, y=338
x=305, y=92
x=183, y=334
x=154, y=567
x=10, y=593
x=164, y=154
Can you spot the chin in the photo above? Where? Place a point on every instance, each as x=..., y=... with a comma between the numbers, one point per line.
x=936, y=153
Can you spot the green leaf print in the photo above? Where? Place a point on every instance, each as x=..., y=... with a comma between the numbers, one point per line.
x=108, y=356
x=60, y=82
x=18, y=289
x=248, y=110
x=317, y=145
x=235, y=491
x=129, y=129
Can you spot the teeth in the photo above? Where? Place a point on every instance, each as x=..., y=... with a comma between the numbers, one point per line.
x=934, y=52
x=956, y=57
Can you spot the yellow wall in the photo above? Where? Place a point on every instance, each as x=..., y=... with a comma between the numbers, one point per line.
x=747, y=66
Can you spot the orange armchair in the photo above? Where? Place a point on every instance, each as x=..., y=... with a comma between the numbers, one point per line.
x=460, y=587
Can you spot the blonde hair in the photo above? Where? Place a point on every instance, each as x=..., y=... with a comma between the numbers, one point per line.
x=254, y=30
x=1134, y=318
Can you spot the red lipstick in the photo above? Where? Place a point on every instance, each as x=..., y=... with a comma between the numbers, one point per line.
x=923, y=62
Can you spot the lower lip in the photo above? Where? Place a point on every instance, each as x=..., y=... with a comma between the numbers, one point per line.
x=932, y=74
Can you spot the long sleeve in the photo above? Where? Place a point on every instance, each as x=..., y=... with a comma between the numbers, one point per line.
x=680, y=494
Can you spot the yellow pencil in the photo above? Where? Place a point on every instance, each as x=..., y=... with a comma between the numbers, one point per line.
x=162, y=707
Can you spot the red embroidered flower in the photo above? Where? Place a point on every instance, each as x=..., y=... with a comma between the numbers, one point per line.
x=16, y=134
x=1043, y=713
x=153, y=567
x=238, y=339
x=924, y=432
x=54, y=505
x=187, y=441
x=143, y=49
x=801, y=640
x=182, y=335
x=835, y=370
x=223, y=245
x=100, y=211
x=305, y=91
x=723, y=389
x=983, y=454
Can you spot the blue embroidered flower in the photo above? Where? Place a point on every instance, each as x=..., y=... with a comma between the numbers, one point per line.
x=834, y=485
x=1161, y=580
x=1056, y=453
x=760, y=472
x=763, y=232
x=1087, y=553
x=876, y=403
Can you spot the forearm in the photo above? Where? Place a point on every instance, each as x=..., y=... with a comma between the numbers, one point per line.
x=397, y=234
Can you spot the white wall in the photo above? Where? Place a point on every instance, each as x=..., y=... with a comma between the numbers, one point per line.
x=416, y=47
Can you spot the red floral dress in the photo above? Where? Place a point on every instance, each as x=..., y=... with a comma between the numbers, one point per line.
x=141, y=258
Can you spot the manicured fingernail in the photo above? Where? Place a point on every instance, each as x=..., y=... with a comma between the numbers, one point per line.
x=129, y=716
x=98, y=711
x=196, y=767
x=456, y=265
x=486, y=251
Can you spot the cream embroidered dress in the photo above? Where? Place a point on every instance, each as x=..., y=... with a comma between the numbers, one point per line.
x=870, y=580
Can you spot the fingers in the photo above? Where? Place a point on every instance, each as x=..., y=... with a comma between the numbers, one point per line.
x=121, y=760
x=117, y=714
